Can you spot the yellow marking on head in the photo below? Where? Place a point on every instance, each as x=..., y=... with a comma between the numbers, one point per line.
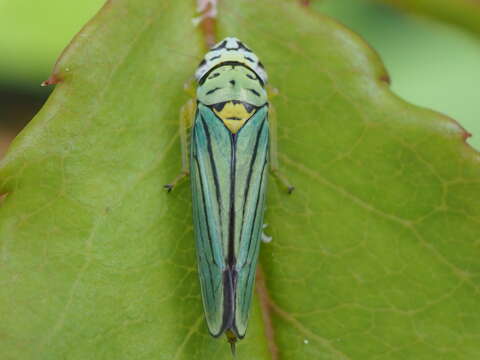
x=234, y=116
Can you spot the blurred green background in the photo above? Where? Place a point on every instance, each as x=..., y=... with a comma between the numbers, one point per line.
x=431, y=63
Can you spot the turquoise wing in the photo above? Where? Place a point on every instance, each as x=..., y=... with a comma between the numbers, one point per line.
x=209, y=171
x=228, y=176
x=252, y=149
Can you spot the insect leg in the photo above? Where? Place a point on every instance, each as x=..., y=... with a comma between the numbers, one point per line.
x=274, y=168
x=271, y=91
x=189, y=87
x=186, y=120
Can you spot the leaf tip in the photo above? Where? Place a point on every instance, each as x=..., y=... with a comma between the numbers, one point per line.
x=385, y=78
x=466, y=135
x=461, y=133
x=3, y=197
x=52, y=80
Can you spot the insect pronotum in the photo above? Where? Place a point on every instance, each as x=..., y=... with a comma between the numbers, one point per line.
x=230, y=152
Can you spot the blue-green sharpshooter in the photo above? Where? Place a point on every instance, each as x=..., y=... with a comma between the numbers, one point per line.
x=230, y=151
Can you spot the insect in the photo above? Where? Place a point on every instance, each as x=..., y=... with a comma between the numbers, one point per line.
x=231, y=146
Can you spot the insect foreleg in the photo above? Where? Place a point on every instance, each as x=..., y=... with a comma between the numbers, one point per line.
x=187, y=114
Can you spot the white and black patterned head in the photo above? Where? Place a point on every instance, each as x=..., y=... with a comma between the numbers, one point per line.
x=230, y=49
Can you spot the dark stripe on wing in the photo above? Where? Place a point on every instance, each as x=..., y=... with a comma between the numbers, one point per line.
x=202, y=185
x=256, y=208
x=214, y=171
x=199, y=233
x=247, y=289
x=259, y=195
x=229, y=286
x=249, y=176
x=231, y=226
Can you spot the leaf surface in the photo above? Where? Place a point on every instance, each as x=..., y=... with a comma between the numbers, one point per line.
x=375, y=256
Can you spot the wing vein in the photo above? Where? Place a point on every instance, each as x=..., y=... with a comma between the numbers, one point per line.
x=214, y=171
x=249, y=178
x=202, y=185
x=254, y=225
x=209, y=238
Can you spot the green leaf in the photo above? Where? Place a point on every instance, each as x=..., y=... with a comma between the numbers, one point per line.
x=375, y=256
x=465, y=13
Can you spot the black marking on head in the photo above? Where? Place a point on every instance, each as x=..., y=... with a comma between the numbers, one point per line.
x=203, y=62
x=249, y=59
x=215, y=57
x=232, y=82
x=254, y=91
x=219, y=106
x=242, y=45
x=256, y=77
x=213, y=76
x=233, y=118
x=248, y=107
x=225, y=63
x=220, y=46
x=261, y=65
x=212, y=91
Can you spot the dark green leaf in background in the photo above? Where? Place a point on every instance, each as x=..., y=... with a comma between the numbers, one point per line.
x=431, y=63
x=32, y=33
x=376, y=255
x=465, y=13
